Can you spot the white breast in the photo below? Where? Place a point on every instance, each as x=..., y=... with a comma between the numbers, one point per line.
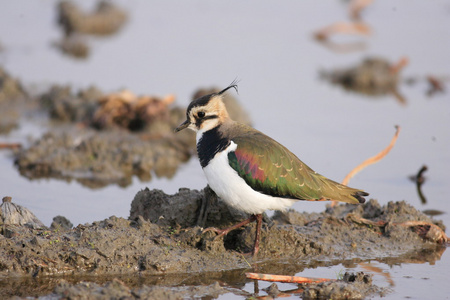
x=229, y=186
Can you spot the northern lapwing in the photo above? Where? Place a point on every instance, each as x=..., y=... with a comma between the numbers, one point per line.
x=249, y=170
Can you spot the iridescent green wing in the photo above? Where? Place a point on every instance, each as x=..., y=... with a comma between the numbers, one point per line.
x=270, y=168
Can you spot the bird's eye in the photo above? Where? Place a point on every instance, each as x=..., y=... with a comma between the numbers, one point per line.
x=201, y=114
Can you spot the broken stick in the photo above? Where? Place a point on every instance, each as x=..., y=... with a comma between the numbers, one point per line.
x=285, y=278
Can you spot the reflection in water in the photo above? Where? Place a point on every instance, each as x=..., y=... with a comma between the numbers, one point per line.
x=419, y=179
x=369, y=266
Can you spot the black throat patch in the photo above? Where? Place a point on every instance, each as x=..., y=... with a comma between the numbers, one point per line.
x=210, y=144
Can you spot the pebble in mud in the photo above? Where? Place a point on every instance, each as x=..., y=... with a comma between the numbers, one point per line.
x=61, y=223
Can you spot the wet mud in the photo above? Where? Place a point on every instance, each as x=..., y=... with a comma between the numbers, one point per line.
x=96, y=159
x=162, y=238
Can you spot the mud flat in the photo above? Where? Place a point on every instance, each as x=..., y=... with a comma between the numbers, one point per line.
x=161, y=250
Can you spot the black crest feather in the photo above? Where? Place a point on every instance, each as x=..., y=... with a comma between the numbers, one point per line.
x=232, y=85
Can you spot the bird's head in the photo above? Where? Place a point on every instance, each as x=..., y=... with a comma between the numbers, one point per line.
x=206, y=112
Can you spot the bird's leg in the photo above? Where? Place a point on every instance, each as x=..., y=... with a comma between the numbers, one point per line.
x=225, y=231
x=258, y=218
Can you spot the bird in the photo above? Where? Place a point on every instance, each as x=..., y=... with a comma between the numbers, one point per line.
x=249, y=170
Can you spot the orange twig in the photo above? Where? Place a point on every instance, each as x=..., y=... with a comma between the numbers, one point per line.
x=285, y=278
x=372, y=159
x=10, y=146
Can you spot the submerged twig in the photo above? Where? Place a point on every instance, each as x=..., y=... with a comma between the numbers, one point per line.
x=285, y=278
x=372, y=159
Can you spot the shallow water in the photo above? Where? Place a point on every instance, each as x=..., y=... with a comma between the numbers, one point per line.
x=269, y=47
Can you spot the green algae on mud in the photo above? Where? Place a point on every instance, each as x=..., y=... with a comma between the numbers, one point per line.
x=162, y=238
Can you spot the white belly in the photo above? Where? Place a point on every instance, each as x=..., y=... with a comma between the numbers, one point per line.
x=229, y=186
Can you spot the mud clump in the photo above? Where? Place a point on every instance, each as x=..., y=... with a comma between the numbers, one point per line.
x=167, y=210
x=96, y=159
x=11, y=92
x=10, y=88
x=204, y=208
x=106, y=19
x=66, y=106
x=352, y=286
x=374, y=76
x=61, y=223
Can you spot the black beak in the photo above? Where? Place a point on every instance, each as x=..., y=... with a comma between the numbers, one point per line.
x=182, y=126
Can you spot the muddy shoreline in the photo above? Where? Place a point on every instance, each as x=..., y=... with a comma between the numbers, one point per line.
x=161, y=244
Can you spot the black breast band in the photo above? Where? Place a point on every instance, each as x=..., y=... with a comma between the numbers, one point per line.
x=210, y=144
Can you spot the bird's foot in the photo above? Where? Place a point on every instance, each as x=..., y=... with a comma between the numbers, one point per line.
x=220, y=232
x=225, y=231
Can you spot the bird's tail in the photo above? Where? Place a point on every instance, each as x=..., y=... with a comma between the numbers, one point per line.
x=359, y=195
